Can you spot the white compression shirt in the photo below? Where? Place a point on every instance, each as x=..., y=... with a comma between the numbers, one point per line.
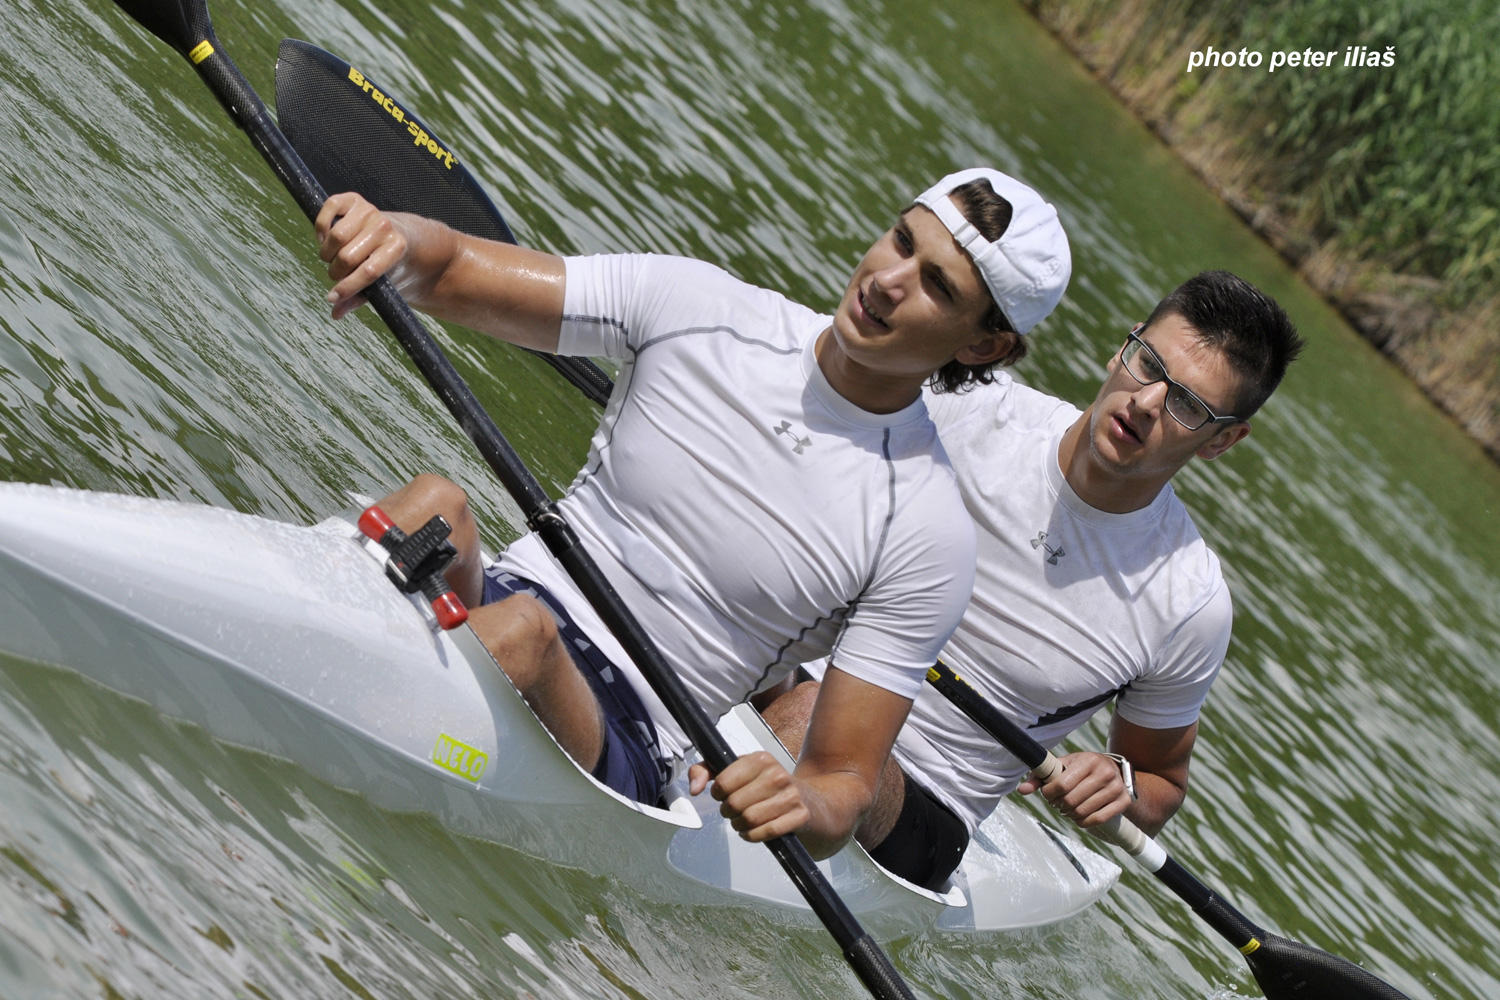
x=749, y=516
x=1071, y=605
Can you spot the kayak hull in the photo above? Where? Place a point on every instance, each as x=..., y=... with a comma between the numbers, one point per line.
x=290, y=640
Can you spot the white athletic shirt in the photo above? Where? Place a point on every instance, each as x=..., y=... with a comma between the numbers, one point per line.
x=750, y=516
x=1070, y=604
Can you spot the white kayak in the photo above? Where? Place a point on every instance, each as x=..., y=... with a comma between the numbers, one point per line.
x=290, y=640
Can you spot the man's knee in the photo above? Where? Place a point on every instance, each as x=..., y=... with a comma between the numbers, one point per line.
x=414, y=504
x=434, y=494
x=522, y=636
x=789, y=715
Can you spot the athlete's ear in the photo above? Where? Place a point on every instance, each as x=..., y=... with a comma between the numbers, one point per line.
x=989, y=348
x=1224, y=440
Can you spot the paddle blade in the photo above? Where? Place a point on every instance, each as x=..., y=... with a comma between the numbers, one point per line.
x=1287, y=970
x=182, y=24
x=355, y=137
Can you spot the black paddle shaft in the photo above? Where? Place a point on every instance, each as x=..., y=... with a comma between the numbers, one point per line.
x=185, y=25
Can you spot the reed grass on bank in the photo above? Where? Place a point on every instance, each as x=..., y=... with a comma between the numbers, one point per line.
x=1381, y=182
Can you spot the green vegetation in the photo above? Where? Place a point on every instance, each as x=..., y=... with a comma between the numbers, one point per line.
x=1382, y=183
x=1401, y=164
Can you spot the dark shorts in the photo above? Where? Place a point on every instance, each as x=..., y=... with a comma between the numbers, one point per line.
x=630, y=761
x=927, y=842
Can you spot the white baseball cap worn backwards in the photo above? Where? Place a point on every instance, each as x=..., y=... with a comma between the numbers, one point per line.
x=1028, y=267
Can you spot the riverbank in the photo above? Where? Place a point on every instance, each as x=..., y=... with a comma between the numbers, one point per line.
x=1379, y=182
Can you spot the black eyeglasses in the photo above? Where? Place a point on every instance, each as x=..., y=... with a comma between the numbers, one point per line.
x=1146, y=368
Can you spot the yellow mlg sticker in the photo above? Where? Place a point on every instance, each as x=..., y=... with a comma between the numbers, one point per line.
x=459, y=758
x=200, y=52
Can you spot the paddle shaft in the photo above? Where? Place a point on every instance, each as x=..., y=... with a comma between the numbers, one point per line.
x=248, y=111
x=1231, y=924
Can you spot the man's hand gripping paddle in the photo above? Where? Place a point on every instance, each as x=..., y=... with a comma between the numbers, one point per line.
x=1285, y=969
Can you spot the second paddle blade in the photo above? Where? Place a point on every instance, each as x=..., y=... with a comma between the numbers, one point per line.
x=1287, y=970
x=356, y=137
x=182, y=24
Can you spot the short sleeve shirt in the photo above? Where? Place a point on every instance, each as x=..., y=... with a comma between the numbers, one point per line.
x=1071, y=605
x=750, y=516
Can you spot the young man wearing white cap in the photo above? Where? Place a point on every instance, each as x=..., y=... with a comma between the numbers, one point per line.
x=1092, y=582
x=765, y=486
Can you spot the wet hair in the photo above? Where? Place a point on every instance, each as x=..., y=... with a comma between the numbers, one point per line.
x=1244, y=324
x=990, y=214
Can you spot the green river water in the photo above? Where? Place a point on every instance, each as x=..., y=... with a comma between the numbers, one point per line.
x=162, y=333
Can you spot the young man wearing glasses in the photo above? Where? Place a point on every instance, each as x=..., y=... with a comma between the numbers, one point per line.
x=1092, y=584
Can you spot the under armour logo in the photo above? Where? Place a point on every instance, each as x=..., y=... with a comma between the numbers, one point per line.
x=1040, y=542
x=801, y=442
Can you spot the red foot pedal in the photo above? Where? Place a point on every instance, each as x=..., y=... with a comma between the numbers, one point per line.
x=375, y=525
x=450, y=611
x=417, y=562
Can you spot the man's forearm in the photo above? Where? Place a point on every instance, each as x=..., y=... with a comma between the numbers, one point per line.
x=835, y=801
x=1159, y=799
x=1161, y=758
x=501, y=289
x=431, y=248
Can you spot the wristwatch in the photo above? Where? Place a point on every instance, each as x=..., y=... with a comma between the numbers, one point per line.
x=1127, y=774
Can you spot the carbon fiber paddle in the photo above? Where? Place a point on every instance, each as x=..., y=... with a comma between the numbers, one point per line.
x=354, y=136
x=1285, y=969
x=185, y=26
